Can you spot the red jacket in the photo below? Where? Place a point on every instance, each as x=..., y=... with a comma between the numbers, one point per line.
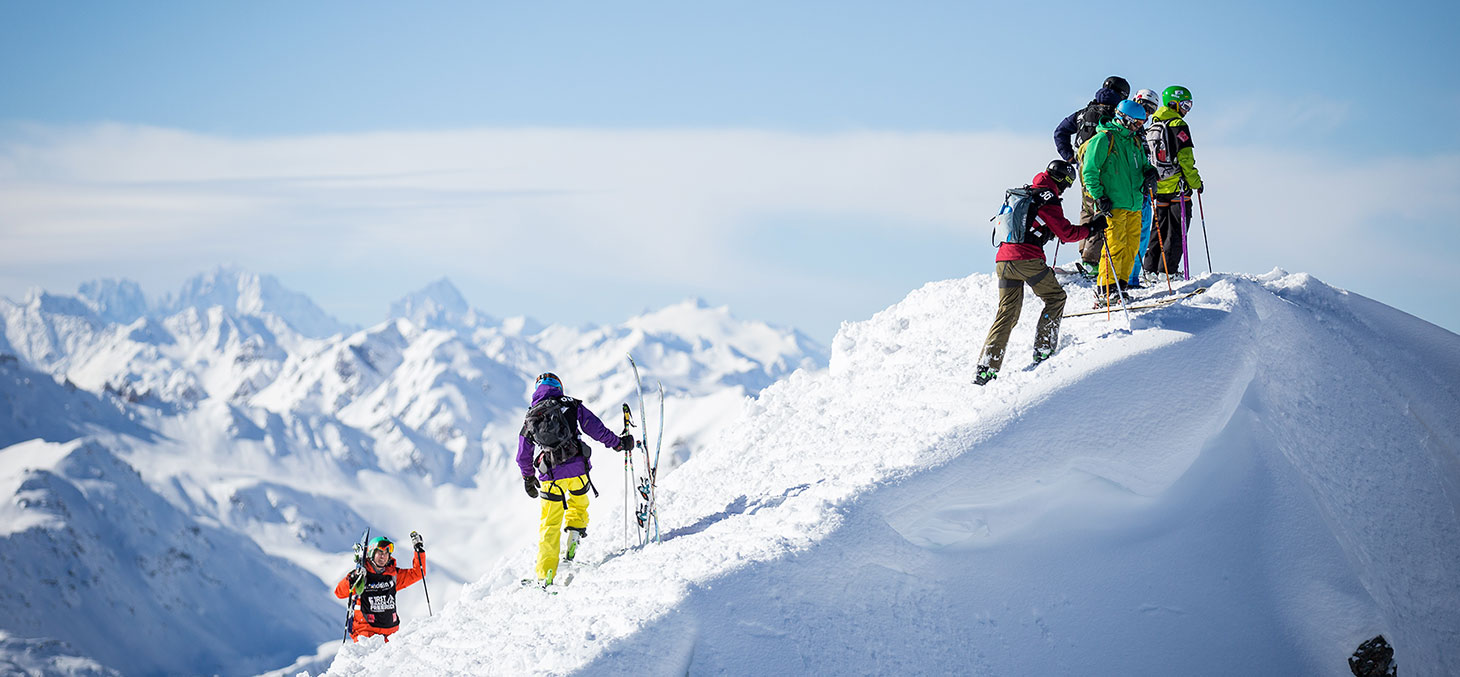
x=1051, y=215
x=361, y=626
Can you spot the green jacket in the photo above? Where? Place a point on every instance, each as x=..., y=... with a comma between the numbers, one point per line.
x=1177, y=141
x=1114, y=166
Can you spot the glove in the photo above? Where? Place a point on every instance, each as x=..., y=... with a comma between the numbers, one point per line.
x=529, y=483
x=1149, y=185
x=357, y=581
x=1200, y=188
x=625, y=442
x=1104, y=205
x=1096, y=227
x=417, y=542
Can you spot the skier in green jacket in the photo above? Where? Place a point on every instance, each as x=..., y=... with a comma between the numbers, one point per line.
x=1115, y=171
x=1169, y=138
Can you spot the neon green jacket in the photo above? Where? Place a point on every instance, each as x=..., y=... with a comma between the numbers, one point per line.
x=1177, y=141
x=1114, y=166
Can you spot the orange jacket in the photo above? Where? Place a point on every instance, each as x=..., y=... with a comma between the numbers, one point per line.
x=359, y=627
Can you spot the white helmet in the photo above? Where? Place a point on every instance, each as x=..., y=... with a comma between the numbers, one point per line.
x=1148, y=99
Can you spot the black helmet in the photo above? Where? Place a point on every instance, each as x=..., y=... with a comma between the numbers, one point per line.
x=1118, y=84
x=550, y=379
x=1062, y=172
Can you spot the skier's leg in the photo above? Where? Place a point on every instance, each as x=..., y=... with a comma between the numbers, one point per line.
x=1124, y=235
x=577, y=487
x=1011, y=302
x=1147, y=213
x=1046, y=332
x=549, y=530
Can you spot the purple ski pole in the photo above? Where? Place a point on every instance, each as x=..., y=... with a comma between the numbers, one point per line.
x=1185, y=260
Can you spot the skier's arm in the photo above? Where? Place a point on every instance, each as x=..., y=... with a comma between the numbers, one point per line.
x=595, y=428
x=1095, y=150
x=405, y=577
x=524, y=456
x=1185, y=157
x=342, y=589
x=1062, y=135
x=1053, y=215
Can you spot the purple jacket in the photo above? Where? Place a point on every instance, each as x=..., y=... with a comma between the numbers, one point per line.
x=587, y=422
x=1070, y=125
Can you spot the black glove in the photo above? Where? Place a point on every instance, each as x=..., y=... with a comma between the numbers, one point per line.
x=1104, y=205
x=418, y=542
x=1149, y=186
x=1200, y=188
x=529, y=483
x=625, y=442
x=1096, y=227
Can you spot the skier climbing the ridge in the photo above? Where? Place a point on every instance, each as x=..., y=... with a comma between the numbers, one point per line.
x=555, y=465
x=1019, y=263
x=374, y=586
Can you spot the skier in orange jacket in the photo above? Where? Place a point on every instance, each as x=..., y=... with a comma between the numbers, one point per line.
x=374, y=588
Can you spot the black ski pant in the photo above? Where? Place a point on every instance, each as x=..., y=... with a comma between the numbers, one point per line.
x=1169, y=233
x=1012, y=276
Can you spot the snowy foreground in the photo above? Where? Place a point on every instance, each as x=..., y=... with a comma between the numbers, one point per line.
x=1250, y=482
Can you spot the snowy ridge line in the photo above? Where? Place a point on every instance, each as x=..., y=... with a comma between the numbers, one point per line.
x=1036, y=526
x=771, y=513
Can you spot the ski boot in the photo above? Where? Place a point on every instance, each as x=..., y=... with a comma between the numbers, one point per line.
x=575, y=534
x=1042, y=355
x=984, y=375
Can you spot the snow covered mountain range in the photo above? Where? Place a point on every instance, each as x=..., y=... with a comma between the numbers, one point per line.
x=195, y=468
x=1251, y=481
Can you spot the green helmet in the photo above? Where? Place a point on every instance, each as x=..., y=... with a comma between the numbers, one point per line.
x=1175, y=94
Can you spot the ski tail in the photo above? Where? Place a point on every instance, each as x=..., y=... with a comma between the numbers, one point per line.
x=359, y=565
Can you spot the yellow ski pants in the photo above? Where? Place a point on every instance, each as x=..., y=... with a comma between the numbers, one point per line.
x=1123, y=235
x=553, y=493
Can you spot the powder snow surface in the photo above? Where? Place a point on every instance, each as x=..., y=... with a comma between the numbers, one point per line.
x=1252, y=481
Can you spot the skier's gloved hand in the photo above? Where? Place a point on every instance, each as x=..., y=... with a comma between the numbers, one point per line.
x=1096, y=227
x=1200, y=188
x=1104, y=205
x=1149, y=185
x=418, y=543
x=357, y=581
x=530, y=484
x=625, y=442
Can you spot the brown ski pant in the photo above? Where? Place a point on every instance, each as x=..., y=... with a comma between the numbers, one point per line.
x=1012, y=276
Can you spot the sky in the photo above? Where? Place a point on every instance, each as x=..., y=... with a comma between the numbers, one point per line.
x=805, y=163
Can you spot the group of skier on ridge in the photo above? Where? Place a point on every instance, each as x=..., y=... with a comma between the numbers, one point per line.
x=555, y=468
x=1127, y=171
x=1134, y=158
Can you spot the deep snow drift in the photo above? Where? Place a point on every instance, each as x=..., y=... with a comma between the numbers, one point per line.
x=1249, y=482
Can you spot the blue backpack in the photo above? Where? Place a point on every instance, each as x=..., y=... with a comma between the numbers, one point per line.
x=1015, y=220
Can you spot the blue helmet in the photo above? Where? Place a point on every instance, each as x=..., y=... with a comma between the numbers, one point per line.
x=1131, y=109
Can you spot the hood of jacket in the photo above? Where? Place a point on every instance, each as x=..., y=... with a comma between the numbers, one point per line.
x=545, y=391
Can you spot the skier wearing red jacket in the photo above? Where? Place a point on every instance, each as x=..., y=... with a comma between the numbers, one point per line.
x=374, y=588
x=1021, y=263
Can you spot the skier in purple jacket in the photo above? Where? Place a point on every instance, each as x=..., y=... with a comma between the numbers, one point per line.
x=554, y=464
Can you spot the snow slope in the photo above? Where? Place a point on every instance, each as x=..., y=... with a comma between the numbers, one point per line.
x=1249, y=482
x=246, y=411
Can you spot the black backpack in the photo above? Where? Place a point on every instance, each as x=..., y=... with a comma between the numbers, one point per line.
x=1088, y=121
x=1015, y=221
x=552, y=425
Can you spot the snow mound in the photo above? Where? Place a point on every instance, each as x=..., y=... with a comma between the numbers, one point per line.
x=1263, y=475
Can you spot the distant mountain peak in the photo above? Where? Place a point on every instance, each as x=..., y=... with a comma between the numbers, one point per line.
x=246, y=293
x=439, y=305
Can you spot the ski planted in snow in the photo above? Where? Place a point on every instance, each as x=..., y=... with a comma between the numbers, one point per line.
x=1142, y=306
x=359, y=567
x=643, y=472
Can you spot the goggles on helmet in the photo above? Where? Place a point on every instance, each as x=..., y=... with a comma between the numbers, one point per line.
x=550, y=380
x=1184, y=106
x=382, y=543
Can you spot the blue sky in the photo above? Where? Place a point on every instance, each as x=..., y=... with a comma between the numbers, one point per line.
x=656, y=142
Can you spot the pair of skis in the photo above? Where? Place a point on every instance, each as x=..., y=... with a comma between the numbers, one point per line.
x=359, y=568
x=641, y=470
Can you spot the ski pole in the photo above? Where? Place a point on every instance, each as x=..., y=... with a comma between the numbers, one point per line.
x=416, y=540
x=1185, y=255
x=1202, y=210
x=1118, y=293
x=628, y=471
x=1155, y=225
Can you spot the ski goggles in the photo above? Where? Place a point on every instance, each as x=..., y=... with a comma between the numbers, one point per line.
x=1184, y=106
x=382, y=544
x=548, y=380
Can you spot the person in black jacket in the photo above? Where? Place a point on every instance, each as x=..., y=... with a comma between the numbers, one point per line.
x=1081, y=126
